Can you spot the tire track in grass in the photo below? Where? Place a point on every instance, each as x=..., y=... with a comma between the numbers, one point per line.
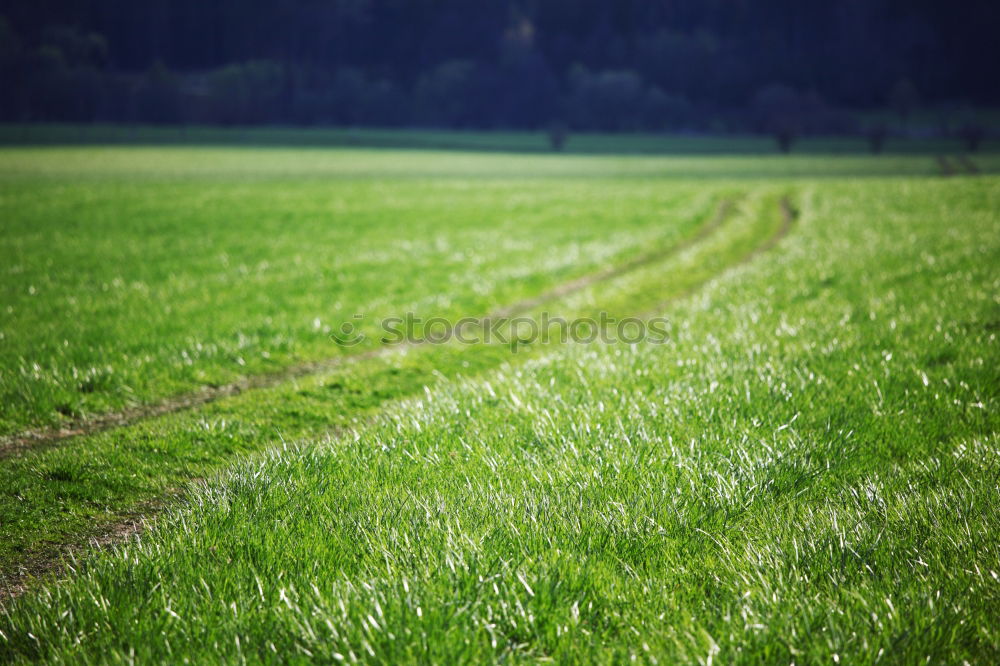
x=957, y=166
x=946, y=167
x=43, y=437
x=132, y=520
x=967, y=164
x=128, y=524
x=789, y=215
x=724, y=211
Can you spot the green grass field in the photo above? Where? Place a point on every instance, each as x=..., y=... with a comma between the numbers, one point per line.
x=194, y=464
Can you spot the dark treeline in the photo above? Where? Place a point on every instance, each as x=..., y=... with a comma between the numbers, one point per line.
x=771, y=65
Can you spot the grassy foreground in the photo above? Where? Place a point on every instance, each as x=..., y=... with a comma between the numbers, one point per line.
x=807, y=471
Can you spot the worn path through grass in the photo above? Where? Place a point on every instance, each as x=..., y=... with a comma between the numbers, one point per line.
x=807, y=470
x=92, y=483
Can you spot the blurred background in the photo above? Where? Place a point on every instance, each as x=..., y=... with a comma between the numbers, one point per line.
x=784, y=68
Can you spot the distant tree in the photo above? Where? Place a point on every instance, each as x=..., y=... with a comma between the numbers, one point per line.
x=558, y=134
x=244, y=93
x=713, y=53
x=665, y=111
x=527, y=91
x=157, y=96
x=784, y=136
x=310, y=106
x=11, y=72
x=225, y=96
x=903, y=98
x=10, y=44
x=62, y=77
x=610, y=100
x=818, y=117
x=778, y=111
x=79, y=49
x=264, y=84
x=972, y=133
x=347, y=96
x=877, y=134
x=383, y=104
x=947, y=113
x=445, y=95
x=679, y=61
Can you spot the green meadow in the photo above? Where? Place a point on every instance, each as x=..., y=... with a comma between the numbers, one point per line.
x=208, y=447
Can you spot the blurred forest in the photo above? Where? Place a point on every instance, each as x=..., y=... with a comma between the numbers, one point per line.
x=699, y=65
